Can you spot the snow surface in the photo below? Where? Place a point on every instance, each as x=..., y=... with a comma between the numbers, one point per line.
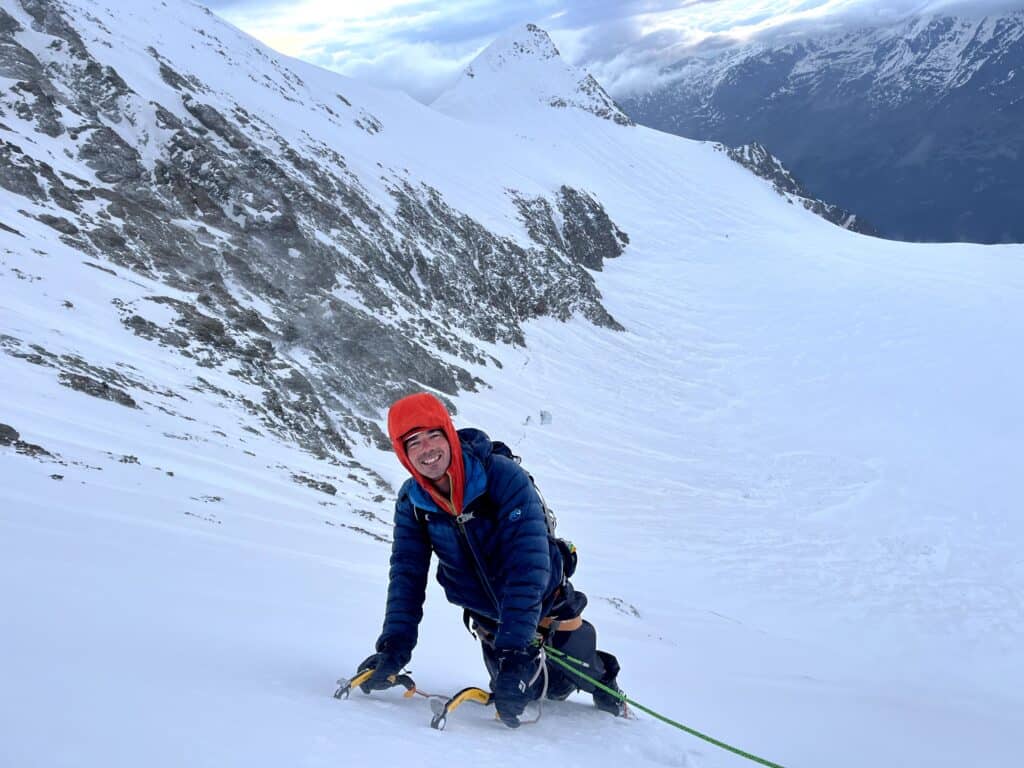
x=793, y=481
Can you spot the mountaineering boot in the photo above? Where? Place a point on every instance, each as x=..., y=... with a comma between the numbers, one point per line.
x=608, y=703
x=561, y=688
x=604, y=700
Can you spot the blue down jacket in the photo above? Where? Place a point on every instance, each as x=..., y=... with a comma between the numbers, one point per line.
x=507, y=536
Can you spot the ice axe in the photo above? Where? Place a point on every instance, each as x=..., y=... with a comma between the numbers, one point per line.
x=345, y=684
x=442, y=707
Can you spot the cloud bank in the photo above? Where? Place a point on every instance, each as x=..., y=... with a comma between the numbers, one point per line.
x=421, y=46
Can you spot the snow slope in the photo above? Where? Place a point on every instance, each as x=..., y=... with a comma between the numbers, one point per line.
x=792, y=480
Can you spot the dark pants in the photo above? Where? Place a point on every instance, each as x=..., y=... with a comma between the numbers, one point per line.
x=579, y=643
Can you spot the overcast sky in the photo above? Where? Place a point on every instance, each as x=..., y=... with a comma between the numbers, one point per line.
x=420, y=46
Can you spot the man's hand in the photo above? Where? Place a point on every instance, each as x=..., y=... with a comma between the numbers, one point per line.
x=386, y=663
x=516, y=668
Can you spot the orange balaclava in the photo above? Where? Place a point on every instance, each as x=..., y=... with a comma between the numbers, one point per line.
x=424, y=411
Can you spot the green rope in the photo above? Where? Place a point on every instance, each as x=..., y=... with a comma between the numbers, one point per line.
x=563, y=659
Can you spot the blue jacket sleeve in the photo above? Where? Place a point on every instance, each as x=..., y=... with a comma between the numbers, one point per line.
x=407, y=583
x=524, y=555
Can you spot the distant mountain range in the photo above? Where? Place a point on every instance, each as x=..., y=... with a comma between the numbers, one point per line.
x=915, y=127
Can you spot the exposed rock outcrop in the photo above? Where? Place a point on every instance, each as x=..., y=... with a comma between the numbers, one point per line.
x=281, y=266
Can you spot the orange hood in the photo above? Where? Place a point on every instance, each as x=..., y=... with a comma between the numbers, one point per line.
x=424, y=411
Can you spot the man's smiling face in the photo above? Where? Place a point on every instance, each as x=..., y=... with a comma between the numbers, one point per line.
x=429, y=452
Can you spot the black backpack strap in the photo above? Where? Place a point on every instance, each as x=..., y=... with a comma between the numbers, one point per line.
x=419, y=514
x=499, y=448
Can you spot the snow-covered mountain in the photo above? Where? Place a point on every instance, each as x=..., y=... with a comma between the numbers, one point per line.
x=520, y=73
x=228, y=182
x=520, y=77
x=913, y=126
x=786, y=452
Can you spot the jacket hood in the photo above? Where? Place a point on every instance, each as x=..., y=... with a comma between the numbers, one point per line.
x=424, y=411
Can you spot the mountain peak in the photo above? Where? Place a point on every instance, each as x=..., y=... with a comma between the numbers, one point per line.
x=519, y=72
x=529, y=42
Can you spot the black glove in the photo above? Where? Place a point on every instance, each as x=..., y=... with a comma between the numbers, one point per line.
x=386, y=663
x=511, y=686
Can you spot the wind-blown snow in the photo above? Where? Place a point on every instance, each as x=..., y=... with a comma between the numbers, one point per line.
x=793, y=481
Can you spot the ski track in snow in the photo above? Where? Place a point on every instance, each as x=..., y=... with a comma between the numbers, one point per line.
x=792, y=481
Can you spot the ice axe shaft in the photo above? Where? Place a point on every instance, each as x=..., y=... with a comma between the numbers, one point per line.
x=345, y=685
x=444, y=707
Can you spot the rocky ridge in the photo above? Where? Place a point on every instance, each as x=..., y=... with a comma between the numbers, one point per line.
x=756, y=158
x=281, y=265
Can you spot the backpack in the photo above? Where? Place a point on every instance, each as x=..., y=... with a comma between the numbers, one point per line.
x=568, y=550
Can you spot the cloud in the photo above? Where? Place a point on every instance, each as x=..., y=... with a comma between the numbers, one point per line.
x=418, y=46
x=421, y=46
x=422, y=70
x=631, y=55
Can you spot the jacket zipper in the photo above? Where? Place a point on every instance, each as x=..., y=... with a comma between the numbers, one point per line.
x=480, y=574
x=467, y=545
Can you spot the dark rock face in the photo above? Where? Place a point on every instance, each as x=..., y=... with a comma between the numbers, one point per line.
x=763, y=163
x=59, y=223
x=320, y=485
x=589, y=234
x=18, y=173
x=591, y=97
x=8, y=435
x=113, y=160
x=916, y=127
x=18, y=63
x=98, y=389
x=288, y=257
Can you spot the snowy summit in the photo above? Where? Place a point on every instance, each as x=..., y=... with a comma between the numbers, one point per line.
x=520, y=73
